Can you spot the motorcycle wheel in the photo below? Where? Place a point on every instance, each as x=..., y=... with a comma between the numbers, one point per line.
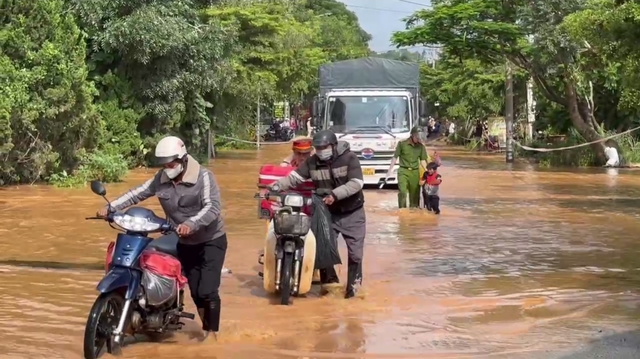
x=285, y=278
x=102, y=321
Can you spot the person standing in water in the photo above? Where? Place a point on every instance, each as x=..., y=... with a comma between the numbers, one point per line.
x=430, y=183
x=411, y=155
x=301, y=150
x=611, y=153
x=190, y=197
x=336, y=170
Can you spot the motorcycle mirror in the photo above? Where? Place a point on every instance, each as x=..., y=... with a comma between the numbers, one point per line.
x=98, y=188
x=423, y=108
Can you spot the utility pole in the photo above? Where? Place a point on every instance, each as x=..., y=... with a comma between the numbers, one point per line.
x=210, y=152
x=531, y=110
x=509, y=113
x=531, y=103
x=258, y=134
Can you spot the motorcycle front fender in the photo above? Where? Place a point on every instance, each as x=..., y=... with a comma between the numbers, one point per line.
x=118, y=278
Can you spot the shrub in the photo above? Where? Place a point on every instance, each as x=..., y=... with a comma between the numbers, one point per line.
x=98, y=165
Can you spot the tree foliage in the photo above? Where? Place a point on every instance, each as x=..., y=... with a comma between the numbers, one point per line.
x=466, y=90
x=579, y=53
x=90, y=85
x=46, y=107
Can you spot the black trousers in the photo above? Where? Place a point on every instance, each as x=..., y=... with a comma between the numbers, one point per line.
x=432, y=203
x=202, y=264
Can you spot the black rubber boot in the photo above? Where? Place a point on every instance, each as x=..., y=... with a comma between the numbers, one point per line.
x=211, y=320
x=354, y=279
x=328, y=276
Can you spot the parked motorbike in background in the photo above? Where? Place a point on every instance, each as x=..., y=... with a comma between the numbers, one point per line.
x=141, y=291
x=277, y=132
x=287, y=134
x=270, y=135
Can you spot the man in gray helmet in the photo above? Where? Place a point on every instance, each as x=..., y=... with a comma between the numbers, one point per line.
x=336, y=170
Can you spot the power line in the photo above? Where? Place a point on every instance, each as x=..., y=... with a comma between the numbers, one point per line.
x=414, y=3
x=378, y=9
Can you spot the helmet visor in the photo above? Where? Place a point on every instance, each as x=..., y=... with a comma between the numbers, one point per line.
x=166, y=160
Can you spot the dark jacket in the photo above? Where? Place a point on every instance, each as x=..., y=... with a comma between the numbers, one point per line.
x=341, y=176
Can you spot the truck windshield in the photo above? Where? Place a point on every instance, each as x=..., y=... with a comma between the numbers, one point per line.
x=371, y=114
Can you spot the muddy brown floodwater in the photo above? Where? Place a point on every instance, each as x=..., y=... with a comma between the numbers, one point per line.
x=521, y=263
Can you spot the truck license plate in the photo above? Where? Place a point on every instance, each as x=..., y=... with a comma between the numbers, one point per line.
x=368, y=171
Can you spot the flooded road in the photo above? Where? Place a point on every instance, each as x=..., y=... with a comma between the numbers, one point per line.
x=520, y=264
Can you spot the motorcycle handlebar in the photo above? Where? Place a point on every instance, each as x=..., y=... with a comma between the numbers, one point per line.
x=269, y=195
x=168, y=227
x=276, y=195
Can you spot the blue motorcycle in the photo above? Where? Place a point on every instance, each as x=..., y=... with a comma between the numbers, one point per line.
x=134, y=300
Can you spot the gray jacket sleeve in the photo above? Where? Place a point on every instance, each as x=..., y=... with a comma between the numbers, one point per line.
x=295, y=178
x=138, y=194
x=356, y=180
x=211, y=206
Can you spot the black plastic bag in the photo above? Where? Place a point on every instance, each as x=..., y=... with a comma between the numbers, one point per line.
x=327, y=254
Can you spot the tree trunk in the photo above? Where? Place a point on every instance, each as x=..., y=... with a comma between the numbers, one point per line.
x=582, y=121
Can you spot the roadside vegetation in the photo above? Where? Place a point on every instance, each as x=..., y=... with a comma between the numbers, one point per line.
x=88, y=86
x=580, y=54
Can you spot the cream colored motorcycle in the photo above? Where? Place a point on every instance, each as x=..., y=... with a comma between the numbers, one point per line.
x=290, y=247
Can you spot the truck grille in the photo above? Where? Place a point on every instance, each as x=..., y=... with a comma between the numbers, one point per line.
x=377, y=155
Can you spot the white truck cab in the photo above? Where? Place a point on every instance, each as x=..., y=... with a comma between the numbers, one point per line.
x=372, y=122
x=371, y=103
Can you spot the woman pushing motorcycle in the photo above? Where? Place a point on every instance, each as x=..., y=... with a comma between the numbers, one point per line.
x=190, y=197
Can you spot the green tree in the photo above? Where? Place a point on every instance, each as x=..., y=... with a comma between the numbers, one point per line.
x=46, y=110
x=278, y=49
x=529, y=35
x=401, y=55
x=337, y=13
x=168, y=57
x=608, y=30
x=466, y=90
x=88, y=86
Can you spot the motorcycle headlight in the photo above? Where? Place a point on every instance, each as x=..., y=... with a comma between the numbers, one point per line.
x=293, y=200
x=135, y=224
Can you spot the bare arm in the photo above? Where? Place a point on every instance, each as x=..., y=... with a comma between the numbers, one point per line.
x=394, y=160
x=392, y=164
x=424, y=157
x=423, y=163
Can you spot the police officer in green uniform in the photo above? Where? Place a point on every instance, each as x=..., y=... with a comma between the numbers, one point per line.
x=410, y=154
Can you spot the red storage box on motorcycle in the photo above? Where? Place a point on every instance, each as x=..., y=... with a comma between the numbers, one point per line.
x=270, y=174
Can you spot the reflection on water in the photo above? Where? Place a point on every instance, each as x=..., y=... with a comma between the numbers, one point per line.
x=519, y=262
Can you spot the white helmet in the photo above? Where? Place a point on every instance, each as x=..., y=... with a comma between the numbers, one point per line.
x=170, y=149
